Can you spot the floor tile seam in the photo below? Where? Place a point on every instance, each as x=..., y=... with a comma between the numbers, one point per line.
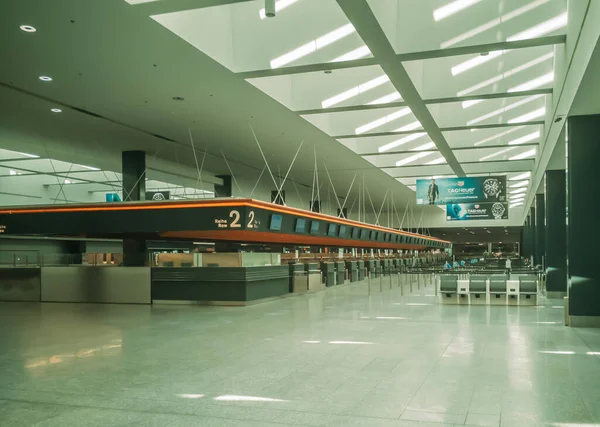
x=79, y=406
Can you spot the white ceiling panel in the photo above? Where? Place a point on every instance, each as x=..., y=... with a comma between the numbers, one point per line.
x=492, y=72
x=311, y=31
x=490, y=112
x=412, y=26
x=338, y=88
x=494, y=136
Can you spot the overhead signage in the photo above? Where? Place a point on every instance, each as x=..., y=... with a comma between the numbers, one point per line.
x=158, y=196
x=473, y=211
x=461, y=190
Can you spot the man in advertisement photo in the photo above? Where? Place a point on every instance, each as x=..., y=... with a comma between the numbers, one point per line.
x=433, y=192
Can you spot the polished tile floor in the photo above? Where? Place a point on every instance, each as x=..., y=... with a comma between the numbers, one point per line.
x=336, y=358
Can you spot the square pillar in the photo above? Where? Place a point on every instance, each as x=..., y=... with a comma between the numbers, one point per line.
x=556, y=234
x=583, y=213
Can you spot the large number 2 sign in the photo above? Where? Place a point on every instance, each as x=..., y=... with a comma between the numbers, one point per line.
x=235, y=219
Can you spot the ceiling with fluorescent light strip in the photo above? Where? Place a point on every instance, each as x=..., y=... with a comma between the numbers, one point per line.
x=480, y=78
x=473, y=96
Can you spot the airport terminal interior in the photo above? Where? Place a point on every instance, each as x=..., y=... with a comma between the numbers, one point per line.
x=276, y=213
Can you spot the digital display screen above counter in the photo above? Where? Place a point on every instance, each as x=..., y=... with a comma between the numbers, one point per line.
x=300, y=225
x=276, y=221
x=331, y=230
x=314, y=227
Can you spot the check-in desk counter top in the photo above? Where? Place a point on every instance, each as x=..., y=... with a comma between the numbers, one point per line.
x=219, y=285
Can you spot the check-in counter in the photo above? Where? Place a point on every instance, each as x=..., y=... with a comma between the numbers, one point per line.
x=20, y=284
x=370, y=266
x=219, y=285
x=377, y=268
x=96, y=284
x=313, y=276
x=298, y=278
x=361, y=269
x=352, y=268
x=328, y=272
x=340, y=272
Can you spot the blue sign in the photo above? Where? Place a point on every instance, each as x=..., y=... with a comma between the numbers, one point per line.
x=461, y=190
x=470, y=211
x=112, y=197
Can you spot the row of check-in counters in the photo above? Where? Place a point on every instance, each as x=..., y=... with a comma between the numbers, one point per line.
x=495, y=289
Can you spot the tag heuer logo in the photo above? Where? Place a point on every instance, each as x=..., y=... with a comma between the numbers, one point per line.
x=460, y=183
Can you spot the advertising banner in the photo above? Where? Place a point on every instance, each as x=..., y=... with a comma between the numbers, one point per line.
x=444, y=191
x=471, y=211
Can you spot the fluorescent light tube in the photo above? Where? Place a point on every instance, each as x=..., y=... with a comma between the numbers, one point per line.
x=400, y=141
x=452, y=8
x=526, y=138
x=529, y=116
x=423, y=147
x=524, y=155
x=358, y=53
x=546, y=27
x=387, y=98
x=383, y=120
x=520, y=177
x=493, y=23
x=474, y=62
x=504, y=109
x=413, y=158
x=491, y=138
x=313, y=46
x=518, y=190
x=535, y=83
x=344, y=96
x=437, y=161
x=497, y=153
x=520, y=184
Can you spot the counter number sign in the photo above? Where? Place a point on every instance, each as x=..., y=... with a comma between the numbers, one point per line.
x=235, y=220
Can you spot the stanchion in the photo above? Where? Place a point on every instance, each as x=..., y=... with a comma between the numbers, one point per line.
x=400, y=286
x=436, y=286
x=381, y=282
x=411, y=285
x=390, y=275
x=369, y=280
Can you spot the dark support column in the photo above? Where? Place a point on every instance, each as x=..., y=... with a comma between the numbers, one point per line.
x=526, y=229
x=134, y=189
x=134, y=175
x=556, y=234
x=540, y=229
x=225, y=189
x=532, y=218
x=583, y=213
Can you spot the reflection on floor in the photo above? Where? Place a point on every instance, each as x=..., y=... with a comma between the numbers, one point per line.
x=336, y=358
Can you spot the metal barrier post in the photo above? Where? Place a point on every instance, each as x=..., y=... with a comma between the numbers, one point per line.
x=381, y=282
x=398, y=275
x=411, y=286
x=369, y=280
x=14, y=260
x=400, y=286
x=26, y=260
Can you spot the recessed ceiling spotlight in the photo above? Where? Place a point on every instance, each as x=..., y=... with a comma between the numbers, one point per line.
x=178, y=98
x=45, y=78
x=28, y=28
x=56, y=110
